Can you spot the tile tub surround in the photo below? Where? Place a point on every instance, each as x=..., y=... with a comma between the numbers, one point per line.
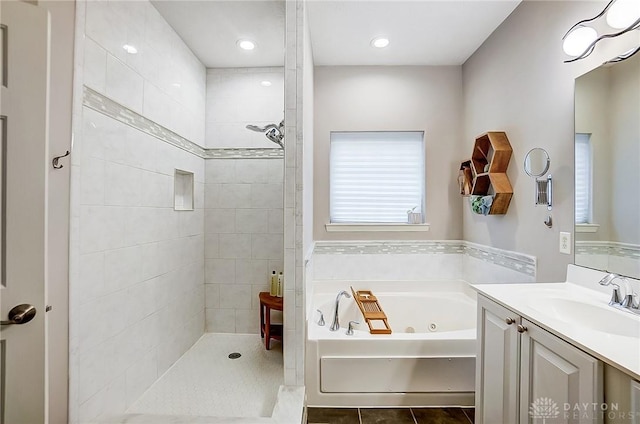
x=420, y=260
x=244, y=239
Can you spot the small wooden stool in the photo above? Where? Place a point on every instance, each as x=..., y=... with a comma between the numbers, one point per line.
x=267, y=330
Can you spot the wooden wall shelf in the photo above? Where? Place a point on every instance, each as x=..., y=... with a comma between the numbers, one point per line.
x=489, y=162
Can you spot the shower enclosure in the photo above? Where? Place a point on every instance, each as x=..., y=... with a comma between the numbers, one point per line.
x=177, y=209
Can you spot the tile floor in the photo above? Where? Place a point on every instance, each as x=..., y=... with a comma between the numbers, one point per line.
x=390, y=416
x=205, y=382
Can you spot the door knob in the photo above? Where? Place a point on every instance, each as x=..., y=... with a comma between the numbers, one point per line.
x=20, y=314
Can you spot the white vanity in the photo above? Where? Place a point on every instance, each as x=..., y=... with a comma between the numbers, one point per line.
x=557, y=352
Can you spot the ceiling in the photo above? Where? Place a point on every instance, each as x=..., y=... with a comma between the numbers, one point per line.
x=211, y=28
x=422, y=32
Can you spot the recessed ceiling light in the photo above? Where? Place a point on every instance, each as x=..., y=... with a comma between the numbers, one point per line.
x=246, y=44
x=176, y=84
x=380, y=42
x=130, y=49
x=265, y=83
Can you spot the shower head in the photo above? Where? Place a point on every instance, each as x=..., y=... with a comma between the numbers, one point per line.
x=273, y=132
x=260, y=129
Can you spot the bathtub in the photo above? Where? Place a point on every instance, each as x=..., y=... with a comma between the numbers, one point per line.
x=428, y=360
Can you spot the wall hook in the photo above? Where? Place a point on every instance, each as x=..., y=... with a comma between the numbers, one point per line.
x=55, y=160
x=549, y=222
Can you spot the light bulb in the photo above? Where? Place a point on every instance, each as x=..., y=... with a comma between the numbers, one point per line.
x=380, y=42
x=578, y=40
x=246, y=44
x=623, y=13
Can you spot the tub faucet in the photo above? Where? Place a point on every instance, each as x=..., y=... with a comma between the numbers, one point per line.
x=336, y=324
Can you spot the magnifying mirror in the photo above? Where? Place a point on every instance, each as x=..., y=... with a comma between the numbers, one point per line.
x=536, y=162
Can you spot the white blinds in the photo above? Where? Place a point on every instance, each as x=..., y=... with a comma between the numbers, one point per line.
x=376, y=177
x=583, y=178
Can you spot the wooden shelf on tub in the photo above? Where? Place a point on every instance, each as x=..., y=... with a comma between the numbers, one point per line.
x=371, y=311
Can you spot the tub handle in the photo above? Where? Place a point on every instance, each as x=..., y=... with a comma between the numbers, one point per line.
x=321, y=320
x=350, y=328
x=509, y=320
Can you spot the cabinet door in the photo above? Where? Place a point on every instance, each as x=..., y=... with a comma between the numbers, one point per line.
x=497, y=364
x=559, y=382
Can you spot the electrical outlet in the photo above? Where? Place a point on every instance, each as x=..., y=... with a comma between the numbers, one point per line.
x=565, y=243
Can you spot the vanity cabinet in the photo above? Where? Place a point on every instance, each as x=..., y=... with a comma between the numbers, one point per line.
x=520, y=365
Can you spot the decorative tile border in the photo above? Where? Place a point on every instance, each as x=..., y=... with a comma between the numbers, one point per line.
x=244, y=153
x=519, y=262
x=387, y=247
x=100, y=103
x=525, y=264
x=106, y=106
x=610, y=248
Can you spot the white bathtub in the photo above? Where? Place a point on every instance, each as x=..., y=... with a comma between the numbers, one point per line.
x=428, y=360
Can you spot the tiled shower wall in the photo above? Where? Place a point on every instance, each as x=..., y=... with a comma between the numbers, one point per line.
x=136, y=265
x=237, y=97
x=244, y=239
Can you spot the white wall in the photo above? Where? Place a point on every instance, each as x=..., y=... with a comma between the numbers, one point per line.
x=244, y=239
x=137, y=266
x=380, y=98
x=164, y=81
x=517, y=82
x=235, y=98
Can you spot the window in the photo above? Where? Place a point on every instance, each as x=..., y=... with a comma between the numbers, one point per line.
x=583, y=178
x=376, y=177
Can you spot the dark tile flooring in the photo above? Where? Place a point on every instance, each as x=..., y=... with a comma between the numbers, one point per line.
x=390, y=415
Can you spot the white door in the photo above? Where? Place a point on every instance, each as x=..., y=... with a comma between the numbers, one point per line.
x=23, y=166
x=557, y=380
x=497, y=364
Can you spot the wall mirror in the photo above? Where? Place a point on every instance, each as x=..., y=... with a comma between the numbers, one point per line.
x=607, y=168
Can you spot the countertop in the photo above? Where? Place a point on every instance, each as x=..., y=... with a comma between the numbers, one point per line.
x=532, y=302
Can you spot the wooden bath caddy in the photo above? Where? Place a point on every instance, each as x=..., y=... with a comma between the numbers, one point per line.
x=371, y=310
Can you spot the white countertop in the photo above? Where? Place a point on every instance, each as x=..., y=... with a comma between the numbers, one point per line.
x=619, y=347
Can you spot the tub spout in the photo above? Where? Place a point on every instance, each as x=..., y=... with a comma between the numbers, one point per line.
x=336, y=324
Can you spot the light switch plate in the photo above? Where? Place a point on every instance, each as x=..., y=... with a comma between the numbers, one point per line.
x=565, y=243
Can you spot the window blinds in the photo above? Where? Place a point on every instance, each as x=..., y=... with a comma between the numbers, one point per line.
x=376, y=177
x=583, y=178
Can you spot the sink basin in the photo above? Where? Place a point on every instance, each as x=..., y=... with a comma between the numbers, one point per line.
x=591, y=316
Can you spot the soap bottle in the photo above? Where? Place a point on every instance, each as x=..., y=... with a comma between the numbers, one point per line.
x=280, y=282
x=273, y=287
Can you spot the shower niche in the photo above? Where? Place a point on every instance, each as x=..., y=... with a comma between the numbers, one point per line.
x=183, y=191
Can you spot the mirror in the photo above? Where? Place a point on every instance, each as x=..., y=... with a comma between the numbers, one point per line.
x=536, y=162
x=607, y=168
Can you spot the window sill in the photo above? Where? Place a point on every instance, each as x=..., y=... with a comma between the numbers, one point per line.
x=587, y=228
x=334, y=227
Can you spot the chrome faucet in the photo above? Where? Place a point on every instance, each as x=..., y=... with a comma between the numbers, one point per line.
x=336, y=324
x=617, y=301
x=616, y=296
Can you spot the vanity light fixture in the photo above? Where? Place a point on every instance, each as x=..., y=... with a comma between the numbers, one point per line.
x=380, y=42
x=622, y=15
x=246, y=44
x=130, y=49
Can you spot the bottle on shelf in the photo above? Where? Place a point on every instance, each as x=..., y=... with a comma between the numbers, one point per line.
x=280, y=282
x=273, y=287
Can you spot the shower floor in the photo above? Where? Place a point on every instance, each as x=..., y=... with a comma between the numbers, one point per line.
x=205, y=382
